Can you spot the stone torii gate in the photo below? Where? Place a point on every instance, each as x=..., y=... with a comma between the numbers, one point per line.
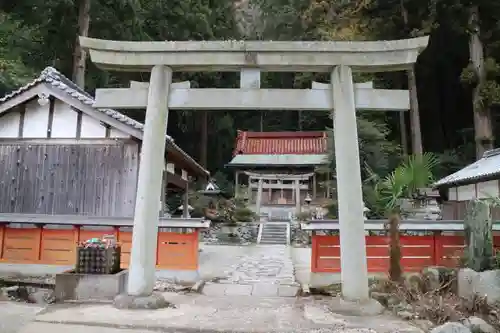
x=339, y=59
x=279, y=177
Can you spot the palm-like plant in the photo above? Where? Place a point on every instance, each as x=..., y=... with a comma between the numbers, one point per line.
x=384, y=195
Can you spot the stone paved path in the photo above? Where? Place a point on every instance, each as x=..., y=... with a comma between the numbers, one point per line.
x=271, y=264
x=198, y=313
x=261, y=270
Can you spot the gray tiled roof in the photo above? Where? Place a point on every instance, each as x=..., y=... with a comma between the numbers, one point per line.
x=54, y=78
x=486, y=167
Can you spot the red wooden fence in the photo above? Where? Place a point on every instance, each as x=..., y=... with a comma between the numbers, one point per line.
x=417, y=252
x=58, y=246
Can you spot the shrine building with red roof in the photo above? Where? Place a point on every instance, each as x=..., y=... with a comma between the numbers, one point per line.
x=280, y=169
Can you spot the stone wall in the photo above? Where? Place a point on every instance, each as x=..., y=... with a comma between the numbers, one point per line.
x=299, y=237
x=246, y=234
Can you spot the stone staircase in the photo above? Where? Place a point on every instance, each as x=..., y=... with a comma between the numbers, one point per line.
x=274, y=233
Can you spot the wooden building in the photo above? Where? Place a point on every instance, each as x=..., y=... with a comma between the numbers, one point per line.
x=479, y=180
x=279, y=169
x=61, y=155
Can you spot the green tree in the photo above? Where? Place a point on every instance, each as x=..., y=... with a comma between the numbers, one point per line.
x=15, y=41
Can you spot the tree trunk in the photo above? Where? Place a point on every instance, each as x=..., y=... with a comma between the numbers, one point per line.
x=299, y=117
x=79, y=55
x=204, y=139
x=416, y=132
x=395, y=269
x=404, y=135
x=482, y=115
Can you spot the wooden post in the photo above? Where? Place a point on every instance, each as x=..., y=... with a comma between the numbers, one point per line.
x=249, y=190
x=164, y=186
x=297, y=196
x=314, y=186
x=259, y=197
x=236, y=184
x=328, y=179
x=270, y=191
x=185, y=211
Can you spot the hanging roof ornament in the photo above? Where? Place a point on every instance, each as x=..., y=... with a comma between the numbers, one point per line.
x=213, y=190
x=212, y=187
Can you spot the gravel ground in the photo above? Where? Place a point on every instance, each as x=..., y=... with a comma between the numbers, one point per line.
x=14, y=316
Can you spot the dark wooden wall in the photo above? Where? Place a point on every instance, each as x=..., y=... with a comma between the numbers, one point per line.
x=96, y=179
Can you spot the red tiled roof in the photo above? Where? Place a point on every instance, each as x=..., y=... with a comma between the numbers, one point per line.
x=280, y=143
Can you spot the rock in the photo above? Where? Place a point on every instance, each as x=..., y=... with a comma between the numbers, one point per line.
x=402, y=306
x=424, y=324
x=41, y=296
x=436, y=276
x=17, y=293
x=382, y=298
x=473, y=284
x=151, y=302
x=406, y=315
x=478, y=325
x=393, y=301
x=166, y=285
x=414, y=282
x=494, y=316
x=451, y=328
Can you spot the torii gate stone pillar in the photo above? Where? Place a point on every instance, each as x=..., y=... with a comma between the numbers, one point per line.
x=141, y=277
x=250, y=58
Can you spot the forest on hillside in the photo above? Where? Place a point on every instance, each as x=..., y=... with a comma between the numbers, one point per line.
x=456, y=78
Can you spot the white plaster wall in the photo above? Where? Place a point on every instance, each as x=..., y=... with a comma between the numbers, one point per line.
x=92, y=128
x=36, y=120
x=9, y=125
x=170, y=167
x=114, y=133
x=64, y=121
x=466, y=192
x=487, y=189
x=452, y=194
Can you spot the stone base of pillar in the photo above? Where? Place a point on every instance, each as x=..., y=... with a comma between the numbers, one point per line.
x=150, y=302
x=182, y=277
x=366, y=308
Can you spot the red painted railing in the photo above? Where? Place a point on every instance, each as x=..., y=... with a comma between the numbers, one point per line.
x=417, y=252
x=58, y=246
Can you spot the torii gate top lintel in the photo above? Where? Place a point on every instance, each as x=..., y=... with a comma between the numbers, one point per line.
x=291, y=56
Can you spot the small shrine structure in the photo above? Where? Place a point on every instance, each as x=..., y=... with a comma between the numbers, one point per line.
x=280, y=170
